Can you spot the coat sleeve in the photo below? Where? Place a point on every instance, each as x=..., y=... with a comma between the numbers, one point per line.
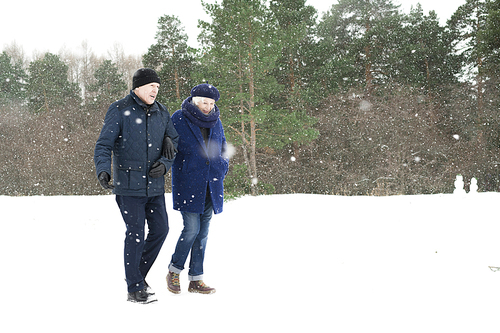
x=171, y=132
x=105, y=143
x=224, y=152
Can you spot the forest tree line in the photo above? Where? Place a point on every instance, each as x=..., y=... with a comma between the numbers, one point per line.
x=364, y=100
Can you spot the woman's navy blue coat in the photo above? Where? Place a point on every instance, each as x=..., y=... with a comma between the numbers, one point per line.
x=198, y=166
x=134, y=133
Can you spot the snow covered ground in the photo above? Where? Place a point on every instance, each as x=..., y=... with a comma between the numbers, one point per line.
x=283, y=263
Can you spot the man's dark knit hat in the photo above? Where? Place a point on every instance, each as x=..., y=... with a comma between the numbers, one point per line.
x=205, y=90
x=144, y=76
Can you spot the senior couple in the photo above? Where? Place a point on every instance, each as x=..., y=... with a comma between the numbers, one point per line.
x=142, y=142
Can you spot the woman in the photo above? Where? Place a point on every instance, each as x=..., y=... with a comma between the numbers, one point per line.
x=197, y=182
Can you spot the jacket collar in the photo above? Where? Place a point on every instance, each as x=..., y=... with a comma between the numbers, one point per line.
x=148, y=108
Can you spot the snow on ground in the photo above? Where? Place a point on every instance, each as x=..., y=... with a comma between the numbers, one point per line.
x=282, y=263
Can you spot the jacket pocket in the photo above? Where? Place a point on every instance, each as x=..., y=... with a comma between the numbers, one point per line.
x=132, y=175
x=192, y=164
x=220, y=168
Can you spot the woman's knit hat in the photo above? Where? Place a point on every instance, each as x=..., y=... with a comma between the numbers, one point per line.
x=205, y=90
x=144, y=76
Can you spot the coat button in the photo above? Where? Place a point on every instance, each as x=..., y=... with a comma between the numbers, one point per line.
x=208, y=162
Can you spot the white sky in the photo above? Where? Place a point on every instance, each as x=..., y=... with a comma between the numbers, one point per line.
x=53, y=25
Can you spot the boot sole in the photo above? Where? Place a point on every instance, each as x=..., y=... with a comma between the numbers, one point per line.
x=194, y=291
x=174, y=291
x=148, y=301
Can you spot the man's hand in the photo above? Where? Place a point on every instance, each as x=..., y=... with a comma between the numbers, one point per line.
x=168, y=148
x=157, y=170
x=104, y=179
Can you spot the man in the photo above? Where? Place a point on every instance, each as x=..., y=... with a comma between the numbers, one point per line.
x=197, y=182
x=136, y=131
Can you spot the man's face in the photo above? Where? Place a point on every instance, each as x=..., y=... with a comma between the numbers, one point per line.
x=147, y=93
x=206, y=105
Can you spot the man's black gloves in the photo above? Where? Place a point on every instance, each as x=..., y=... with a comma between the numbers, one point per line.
x=157, y=170
x=168, y=148
x=104, y=179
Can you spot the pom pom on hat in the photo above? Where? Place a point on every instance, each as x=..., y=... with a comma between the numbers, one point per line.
x=205, y=90
x=144, y=76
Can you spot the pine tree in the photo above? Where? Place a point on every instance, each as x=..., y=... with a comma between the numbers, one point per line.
x=173, y=59
x=12, y=81
x=491, y=37
x=468, y=25
x=359, y=36
x=293, y=70
x=492, y=31
x=48, y=86
x=241, y=49
x=296, y=32
x=425, y=58
x=109, y=86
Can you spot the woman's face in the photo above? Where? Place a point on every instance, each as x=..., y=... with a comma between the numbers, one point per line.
x=205, y=104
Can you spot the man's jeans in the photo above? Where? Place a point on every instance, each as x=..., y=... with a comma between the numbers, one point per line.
x=140, y=253
x=193, y=238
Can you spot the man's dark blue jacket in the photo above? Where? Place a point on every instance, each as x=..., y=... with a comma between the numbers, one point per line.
x=133, y=135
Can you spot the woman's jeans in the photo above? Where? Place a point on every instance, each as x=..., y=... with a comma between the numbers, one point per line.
x=140, y=253
x=193, y=238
